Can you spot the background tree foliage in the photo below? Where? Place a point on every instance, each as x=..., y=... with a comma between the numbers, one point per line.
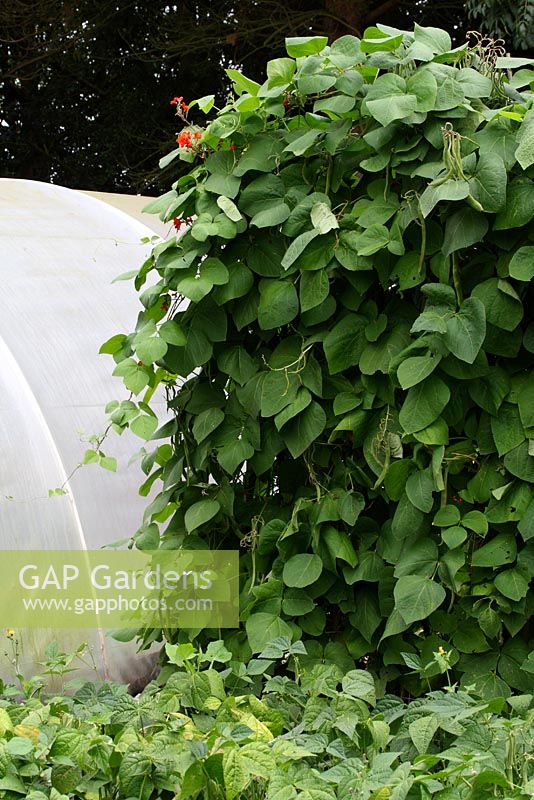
x=509, y=20
x=85, y=86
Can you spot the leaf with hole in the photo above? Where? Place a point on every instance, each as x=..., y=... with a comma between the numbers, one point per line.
x=500, y=550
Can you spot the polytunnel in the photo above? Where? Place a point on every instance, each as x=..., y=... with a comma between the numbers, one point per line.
x=60, y=250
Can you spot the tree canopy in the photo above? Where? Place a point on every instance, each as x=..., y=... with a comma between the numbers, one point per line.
x=85, y=87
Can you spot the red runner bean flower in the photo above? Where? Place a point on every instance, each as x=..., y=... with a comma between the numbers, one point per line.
x=184, y=139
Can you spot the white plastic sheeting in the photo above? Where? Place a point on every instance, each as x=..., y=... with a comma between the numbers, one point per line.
x=133, y=205
x=59, y=252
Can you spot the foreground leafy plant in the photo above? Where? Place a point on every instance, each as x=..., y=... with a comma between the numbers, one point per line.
x=346, y=343
x=321, y=737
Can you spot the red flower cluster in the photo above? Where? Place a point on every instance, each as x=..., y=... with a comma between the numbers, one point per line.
x=185, y=138
x=178, y=222
x=180, y=105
